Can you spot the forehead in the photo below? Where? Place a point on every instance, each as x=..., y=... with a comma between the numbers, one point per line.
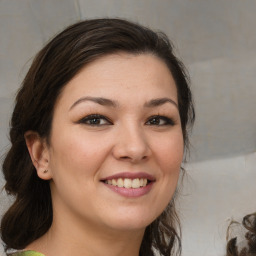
x=122, y=75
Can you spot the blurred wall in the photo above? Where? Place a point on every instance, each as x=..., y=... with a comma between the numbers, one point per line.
x=215, y=39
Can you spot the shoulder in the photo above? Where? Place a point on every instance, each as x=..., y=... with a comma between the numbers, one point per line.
x=25, y=253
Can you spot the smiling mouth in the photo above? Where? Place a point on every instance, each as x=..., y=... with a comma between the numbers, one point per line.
x=128, y=183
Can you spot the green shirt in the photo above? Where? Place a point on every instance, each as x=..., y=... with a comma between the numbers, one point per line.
x=26, y=253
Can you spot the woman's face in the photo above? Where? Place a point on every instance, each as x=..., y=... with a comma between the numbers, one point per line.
x=116, y=143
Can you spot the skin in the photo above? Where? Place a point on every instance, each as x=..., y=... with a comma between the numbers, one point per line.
x=89, y=217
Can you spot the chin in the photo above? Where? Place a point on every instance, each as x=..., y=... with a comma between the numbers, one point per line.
x=132, y=220
x=130, y=226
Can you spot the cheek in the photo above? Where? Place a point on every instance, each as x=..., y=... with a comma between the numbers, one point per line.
x=75, y=154
x=74, y=165
x=170, y=153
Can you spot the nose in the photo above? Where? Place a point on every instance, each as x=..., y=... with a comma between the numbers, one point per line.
x=131, y=144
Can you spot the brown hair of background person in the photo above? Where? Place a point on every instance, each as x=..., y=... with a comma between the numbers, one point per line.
x=249, y=223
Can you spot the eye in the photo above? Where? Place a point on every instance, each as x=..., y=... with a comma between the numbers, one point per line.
x=160, y=121
x=95, y=120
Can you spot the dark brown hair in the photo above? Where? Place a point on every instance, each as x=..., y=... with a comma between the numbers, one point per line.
x=249, y=223
x=55, y=65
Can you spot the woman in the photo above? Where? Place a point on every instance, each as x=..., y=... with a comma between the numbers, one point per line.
x=98, y=135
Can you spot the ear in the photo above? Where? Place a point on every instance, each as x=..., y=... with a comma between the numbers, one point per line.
x=39, y=154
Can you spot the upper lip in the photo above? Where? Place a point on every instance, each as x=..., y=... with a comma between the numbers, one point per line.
x=130, y=175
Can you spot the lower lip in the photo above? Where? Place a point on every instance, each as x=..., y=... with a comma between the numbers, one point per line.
x=131, y=192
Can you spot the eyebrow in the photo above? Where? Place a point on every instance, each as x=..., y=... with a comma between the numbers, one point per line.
x=159, y=102
x=99, y=100
x=112, y=103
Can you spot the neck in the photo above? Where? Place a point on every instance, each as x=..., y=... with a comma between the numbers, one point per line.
x=72, y=238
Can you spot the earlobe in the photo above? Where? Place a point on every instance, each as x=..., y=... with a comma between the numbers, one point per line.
x=39, y=154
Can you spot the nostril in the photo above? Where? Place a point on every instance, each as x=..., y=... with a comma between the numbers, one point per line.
x=133, y=158
x=125, y=157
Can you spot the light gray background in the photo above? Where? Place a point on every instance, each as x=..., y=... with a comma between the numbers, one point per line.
x=217, y=42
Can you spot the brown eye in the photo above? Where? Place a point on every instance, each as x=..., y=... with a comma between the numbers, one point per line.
x=159, y=121
x=95, y=120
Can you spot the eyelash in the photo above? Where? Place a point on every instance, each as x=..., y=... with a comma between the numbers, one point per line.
x=158, y=118
x=95, y=119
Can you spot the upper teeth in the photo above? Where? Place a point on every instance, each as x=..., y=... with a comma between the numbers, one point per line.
x=127, y=183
